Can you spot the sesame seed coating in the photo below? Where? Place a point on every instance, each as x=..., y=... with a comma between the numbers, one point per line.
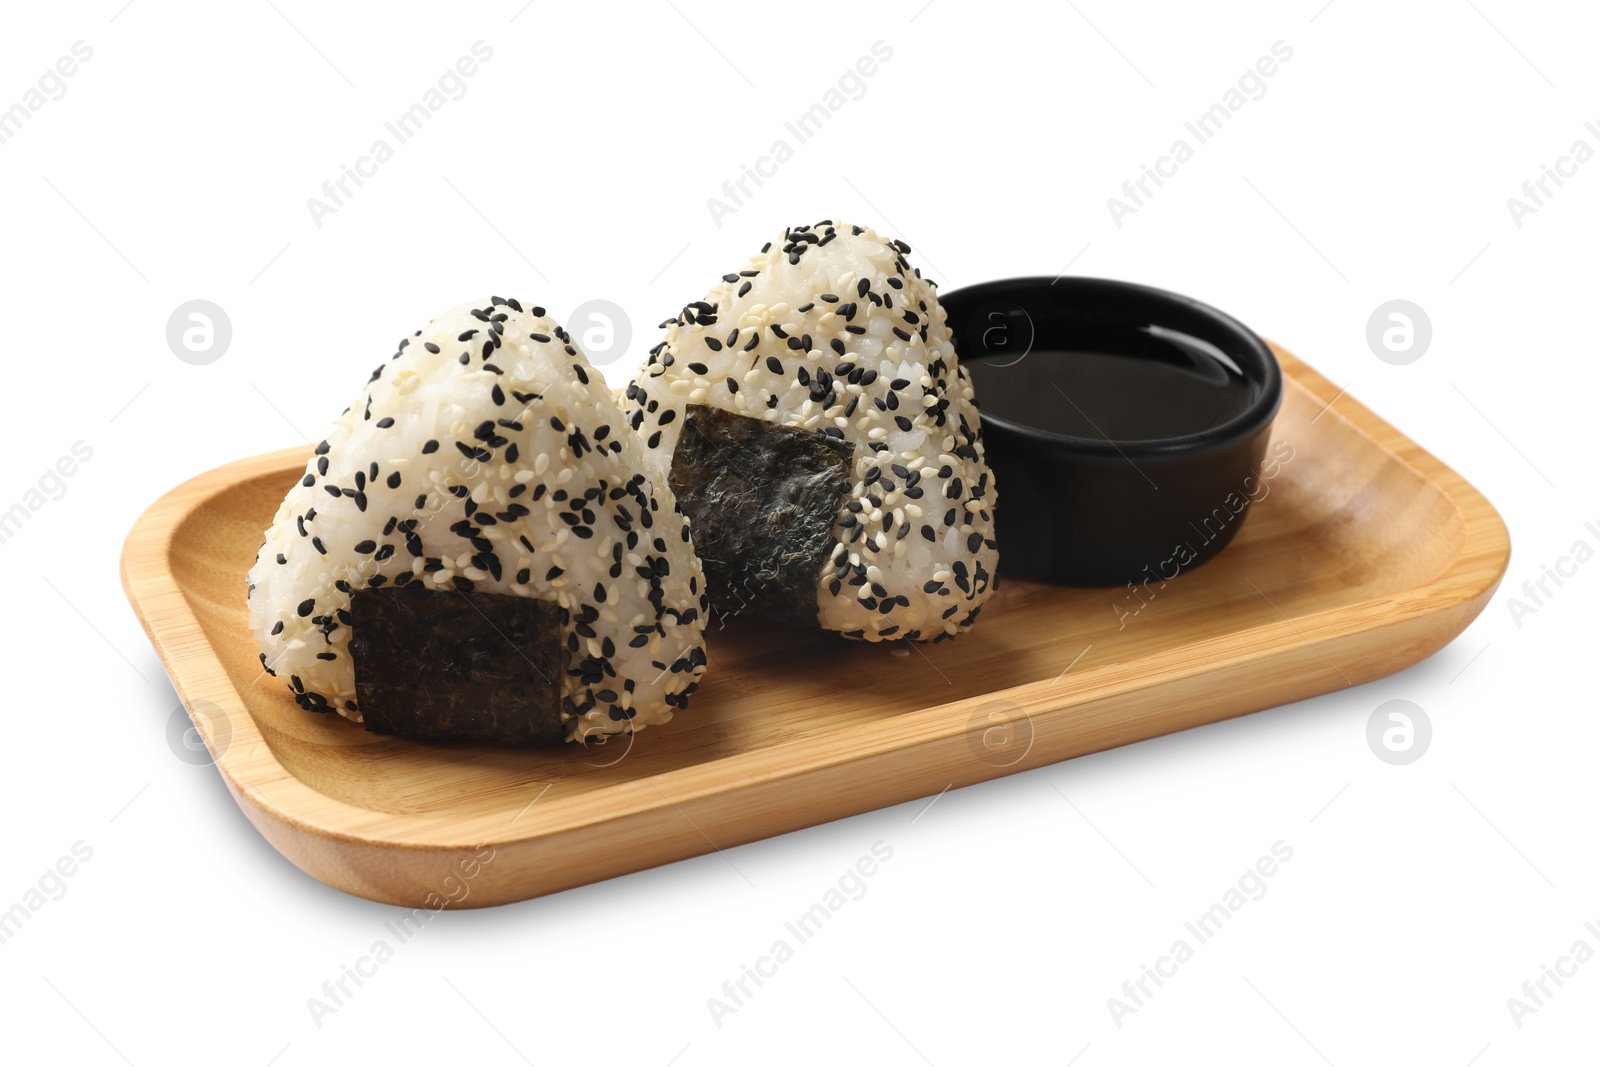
x=494, y=466
x=847, y=339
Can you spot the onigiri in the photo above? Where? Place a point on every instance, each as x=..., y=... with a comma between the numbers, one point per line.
x=480, y=551
x=812, y=417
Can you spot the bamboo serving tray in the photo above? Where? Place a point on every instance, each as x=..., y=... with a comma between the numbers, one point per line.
x=1366, y=556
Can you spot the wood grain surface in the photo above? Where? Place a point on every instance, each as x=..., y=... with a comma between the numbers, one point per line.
x=1366, y=556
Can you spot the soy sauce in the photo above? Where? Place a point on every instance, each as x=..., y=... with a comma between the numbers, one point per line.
x=1118, y=381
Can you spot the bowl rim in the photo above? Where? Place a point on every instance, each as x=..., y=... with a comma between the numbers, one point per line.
x=1247, y=348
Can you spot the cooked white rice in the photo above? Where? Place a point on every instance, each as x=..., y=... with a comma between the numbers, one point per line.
x=488, y=455
x=829, y=328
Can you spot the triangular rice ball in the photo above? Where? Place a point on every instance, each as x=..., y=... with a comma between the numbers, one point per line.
x=479, y=551
x=813, y=419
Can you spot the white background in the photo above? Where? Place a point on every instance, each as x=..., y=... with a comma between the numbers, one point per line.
x=577, y=166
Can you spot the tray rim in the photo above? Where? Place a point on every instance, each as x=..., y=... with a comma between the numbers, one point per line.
x=277, y=801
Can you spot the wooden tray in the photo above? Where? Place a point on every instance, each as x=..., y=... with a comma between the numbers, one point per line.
x=1366, y=556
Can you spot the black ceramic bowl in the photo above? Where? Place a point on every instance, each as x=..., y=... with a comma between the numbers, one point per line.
x=1169, y=484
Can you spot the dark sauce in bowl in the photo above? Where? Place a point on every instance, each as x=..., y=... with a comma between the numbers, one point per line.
x=1144, y=383
x=1126, y=427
